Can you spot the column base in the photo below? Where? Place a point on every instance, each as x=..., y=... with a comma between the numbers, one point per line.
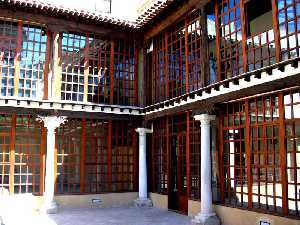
x=49, y=208
x=206, y=219
x=143, y=203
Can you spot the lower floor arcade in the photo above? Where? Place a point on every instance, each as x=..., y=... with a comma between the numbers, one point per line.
x=242, y=155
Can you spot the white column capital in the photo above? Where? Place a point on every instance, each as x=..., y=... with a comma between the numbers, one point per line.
x=143, y=131
x=205, y=118
x=52, y=122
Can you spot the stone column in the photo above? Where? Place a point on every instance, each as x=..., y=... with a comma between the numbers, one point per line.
x=51, y=123
x=206, y=215
x=143, y=200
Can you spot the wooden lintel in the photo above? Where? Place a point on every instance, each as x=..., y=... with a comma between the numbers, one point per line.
x=58, y=24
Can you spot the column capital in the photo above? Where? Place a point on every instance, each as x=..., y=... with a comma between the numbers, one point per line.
x=205, y=118
x=143, y=131
x=52, y=122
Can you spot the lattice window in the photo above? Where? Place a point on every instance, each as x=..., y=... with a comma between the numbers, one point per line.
x=33, y=56
x=5, y=140
x=176, y=60
x=125, y=62
x=265, y=155
x=68, y=140
x=28, y=155
x=96, y=157
x=229, y=16
x=289, y=22
x=260, y=39
x=194, y=51
x=73, y=63
x=8, y=44
x=292, y=116
x=123, y=156
x=159, y=157
x=195, y=157
x=99, y=65
x=159, y=81
x=234, y=155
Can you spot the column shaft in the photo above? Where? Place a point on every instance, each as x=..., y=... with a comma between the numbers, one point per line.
x=142, y=167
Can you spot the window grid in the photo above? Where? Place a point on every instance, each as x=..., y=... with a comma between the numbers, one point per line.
x=68, y=141
x=33, y=57
x=125, y=61
x=123, y=156
x=229, y=15
x=99, y=64
x=8, y=45
x=5, y=139
x=292, y=116
x=289, y=25
x=96, y=158
x=261, y=50
x=73, y=59
x=160, y=157
x=27, y=166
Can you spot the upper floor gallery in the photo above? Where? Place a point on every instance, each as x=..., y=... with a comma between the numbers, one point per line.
x=209, y=43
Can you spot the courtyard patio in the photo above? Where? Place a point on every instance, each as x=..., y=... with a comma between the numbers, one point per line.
x=100, y=216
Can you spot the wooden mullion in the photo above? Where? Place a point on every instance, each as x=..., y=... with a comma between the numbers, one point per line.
x=111, y=70
x=244, y=35
x=167, y=65
x=86, y=68
x=43, y=158
x=47, y=65
x=283, y=154
x=12, y=153
x=136, y=74
x=109, y=156
x=17, y=59
x=168, y=156
x=135, y=160
x=248, y=154
x=186, y=43
x=276, y=31
x=82, y=155
x=204, y=49
x=188, y=180
x=218, y=41
x=221, y=157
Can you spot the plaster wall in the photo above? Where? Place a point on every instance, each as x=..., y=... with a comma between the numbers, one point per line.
x=159, y=201
x=233, y=216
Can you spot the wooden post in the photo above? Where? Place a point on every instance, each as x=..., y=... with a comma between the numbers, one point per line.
x=18, y=58
x=137, y=76
x=43, y=158
x=167, y=65
x=12, y=153
x=56, y=70
x=82, y=155
x=283, y=154
x=109, y=156
x=188, y=180
x=135, y=161
x=248, y=154
x=221, y=157
x=86, y=68
x=218, y=41
x=186, y=37
x=204, y=49
x=276, y=31
x=111, y=70
x=47, y=65
x=244, y=36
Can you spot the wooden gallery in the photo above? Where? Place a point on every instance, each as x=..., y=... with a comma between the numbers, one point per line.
x=194, y=106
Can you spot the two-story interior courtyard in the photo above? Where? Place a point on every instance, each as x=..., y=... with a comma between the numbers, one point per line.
x=190, y=106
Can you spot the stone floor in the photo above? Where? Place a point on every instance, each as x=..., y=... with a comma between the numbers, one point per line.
x=101, y=216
